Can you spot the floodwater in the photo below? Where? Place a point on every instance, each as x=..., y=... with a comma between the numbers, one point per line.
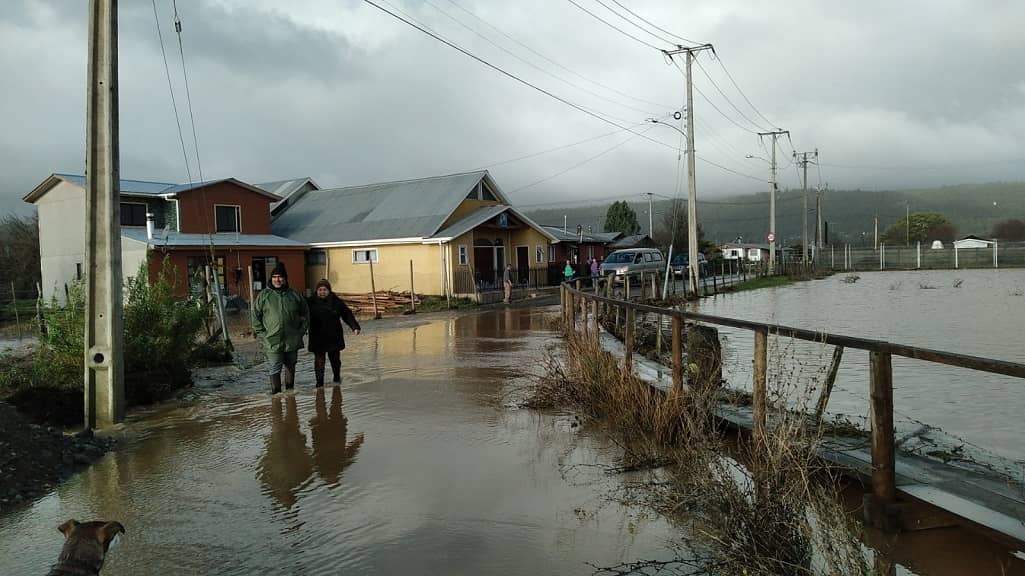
x=419, y=463
x=975, y=312
x=415, y=465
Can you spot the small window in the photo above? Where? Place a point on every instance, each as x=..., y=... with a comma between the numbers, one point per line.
x=228, y=218
x=463, y=256
x=133, y=214
x=316, y=258
x=551, y=253
x=539, y=254
x=364, y=256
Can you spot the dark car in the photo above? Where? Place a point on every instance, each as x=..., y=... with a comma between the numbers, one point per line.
x=680, y=262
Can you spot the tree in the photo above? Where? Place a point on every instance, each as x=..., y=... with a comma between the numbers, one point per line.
x=1010, y=230
x=920, y=227
x=19, y=252
x=622, y=218
x=672, y=229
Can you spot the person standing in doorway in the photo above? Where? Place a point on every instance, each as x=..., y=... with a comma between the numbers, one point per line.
x=594, y=272
x=507, y=284
x=327, y=312
x=280, y=318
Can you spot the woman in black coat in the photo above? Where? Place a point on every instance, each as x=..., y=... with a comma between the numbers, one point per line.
x=327, y=312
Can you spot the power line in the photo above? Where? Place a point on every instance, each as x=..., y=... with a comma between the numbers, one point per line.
x=555, y=149
x=550, y=60
x=614, y=27
x=531, y=64
x=712, y=104
x=581, y=163
x=730, y=102
x=655, y=26
x=170, y=89
x=188, y=95
x=635, y=25
x=735, y=85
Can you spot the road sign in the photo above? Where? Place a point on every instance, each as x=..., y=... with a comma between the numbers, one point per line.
x=771, y=237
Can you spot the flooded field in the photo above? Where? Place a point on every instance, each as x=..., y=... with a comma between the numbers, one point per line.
x=413, y=466
x=976, y=312
x=418, y=464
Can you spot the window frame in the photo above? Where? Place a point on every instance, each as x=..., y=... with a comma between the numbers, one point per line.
x=372, y=253
x=464, y=255
x=238, y=219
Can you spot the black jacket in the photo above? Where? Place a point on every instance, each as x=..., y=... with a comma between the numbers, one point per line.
x=325, y=328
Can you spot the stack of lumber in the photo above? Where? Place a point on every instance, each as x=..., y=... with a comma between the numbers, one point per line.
x=388, y=302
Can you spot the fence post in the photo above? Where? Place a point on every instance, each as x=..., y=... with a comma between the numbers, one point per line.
x=832, y=258
x=373, y=289
x=626, y=286
x=562, y=301
x=39, y=309
x=596, y=325
x=918, y=251
x=628, y=338
x=758, y=391
x=658, y=336
x=996, y=264
x=583, y=315
x=884, y=483
x=412, y=293
x=677, y=354
x=571, y=310
x=14, y=302
x=955, y=255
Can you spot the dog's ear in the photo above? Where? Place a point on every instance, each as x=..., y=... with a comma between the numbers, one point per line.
x=108, y=531
x=67, y=527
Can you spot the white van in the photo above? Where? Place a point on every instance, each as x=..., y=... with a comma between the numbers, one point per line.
x=632, y=261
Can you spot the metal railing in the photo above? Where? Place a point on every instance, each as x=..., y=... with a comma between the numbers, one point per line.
x=883, y=439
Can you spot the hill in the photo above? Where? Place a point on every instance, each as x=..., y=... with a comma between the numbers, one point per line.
x=973, y=208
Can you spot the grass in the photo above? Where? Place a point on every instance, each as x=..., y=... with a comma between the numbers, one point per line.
x=756, y=507
x=763, y=282
x=439, y=303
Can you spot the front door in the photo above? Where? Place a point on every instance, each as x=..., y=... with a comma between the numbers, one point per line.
x=522, y=264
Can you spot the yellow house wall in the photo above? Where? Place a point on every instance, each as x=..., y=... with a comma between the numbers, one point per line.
x=466, y=207
x=391, y=271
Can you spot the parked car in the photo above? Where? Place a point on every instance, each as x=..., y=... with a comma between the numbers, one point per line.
x=680, y=263
x=632, y=261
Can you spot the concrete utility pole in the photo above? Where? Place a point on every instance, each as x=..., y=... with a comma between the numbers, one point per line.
x=772, y=198
x=875, y=234
x=651, y=227
x=907, y=219
x=802, y=159
x=692, y=195
x=104, y=364
x=820, y=241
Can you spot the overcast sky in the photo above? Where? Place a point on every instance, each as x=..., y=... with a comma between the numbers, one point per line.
x=893, y=94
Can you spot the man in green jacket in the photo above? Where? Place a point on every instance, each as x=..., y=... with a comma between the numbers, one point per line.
x=280, y=319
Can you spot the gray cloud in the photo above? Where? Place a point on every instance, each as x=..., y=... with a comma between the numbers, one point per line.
x=892, y=94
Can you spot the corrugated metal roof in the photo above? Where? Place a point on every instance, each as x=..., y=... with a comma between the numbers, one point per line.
x=285, y=188
x=127, y=186
x=471, y=221
x=631, y=241
x=220, y=240
x=404, y=209
x=571, y=235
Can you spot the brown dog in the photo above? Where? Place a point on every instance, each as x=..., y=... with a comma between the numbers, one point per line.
x=85, y=547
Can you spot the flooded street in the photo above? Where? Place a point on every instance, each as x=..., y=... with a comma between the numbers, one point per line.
x=975, y=312
x=413, y=466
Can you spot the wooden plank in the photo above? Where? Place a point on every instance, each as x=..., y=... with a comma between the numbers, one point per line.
x=759, y=396
x=677, y=354
x=827, y=386
x=884, y=481
x=628, y=338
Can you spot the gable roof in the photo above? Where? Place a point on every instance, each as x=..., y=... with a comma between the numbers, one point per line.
x=218, y=240
x=405, y=209
x=571, y=235
x=137, y=187
x=632, y=241
x=482, y=215
x=284, y=189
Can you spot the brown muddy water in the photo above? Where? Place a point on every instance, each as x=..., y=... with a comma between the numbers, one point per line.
x=419, y=463
x=976, y=312
x=415, y=465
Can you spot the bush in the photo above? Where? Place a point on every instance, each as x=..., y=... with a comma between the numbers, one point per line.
x=160, y=334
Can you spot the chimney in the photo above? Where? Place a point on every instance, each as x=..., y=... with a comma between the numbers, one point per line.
x=149, y=225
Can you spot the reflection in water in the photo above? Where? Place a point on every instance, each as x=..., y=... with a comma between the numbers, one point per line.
x=329, y=428
x=286, y=462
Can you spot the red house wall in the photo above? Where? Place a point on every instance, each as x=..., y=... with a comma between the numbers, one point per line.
x=197, y=208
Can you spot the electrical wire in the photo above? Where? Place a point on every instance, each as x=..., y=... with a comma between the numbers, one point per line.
x=170, y=89
x=188, y=95
x=614, y=27
x=725, y=97
x=636, y=25
x=655, y=26
x=735, y=85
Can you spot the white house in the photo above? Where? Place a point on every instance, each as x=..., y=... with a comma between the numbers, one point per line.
x=743, y=251
x=973, y=242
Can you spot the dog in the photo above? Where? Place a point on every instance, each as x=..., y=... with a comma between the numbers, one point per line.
x=86, y=545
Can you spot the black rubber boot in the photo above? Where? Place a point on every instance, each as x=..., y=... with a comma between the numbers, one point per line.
x=319, y=373
x=275, y=383
x=336, y=368
x=289, y=377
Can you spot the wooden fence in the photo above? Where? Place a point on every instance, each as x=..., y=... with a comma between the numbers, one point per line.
x=883, y=441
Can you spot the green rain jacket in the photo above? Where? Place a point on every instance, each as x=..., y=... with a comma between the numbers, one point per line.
x=280, y=319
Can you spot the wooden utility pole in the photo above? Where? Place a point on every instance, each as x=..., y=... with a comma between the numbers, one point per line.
x=692, y=203
x=772, y=198
x=104, y=364
x=802, y=159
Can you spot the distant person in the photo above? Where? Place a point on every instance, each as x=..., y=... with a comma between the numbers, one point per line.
x=568, y=272
x=280, y=317
x=327, y=312
x=595, y=268
x=507, y=283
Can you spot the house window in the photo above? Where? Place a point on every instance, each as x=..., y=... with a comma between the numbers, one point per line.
x=133, y=214
x=229, y=218
x=364, y=256
x=463, y=258
x=539, y=254
x=551, y=253
x=318, y=258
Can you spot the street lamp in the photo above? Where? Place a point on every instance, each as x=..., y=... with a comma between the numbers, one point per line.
x=692, y=214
